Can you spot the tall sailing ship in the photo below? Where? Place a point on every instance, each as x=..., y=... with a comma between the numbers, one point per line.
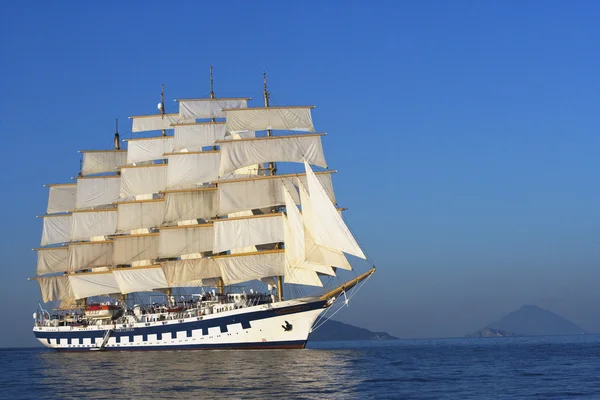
x=160, y=246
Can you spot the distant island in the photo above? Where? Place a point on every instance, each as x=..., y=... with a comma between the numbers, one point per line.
x=529, y=320
x=334, y=330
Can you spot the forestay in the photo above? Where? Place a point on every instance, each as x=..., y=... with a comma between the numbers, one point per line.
x=313, y=252
x=56, y=229
x=330, y=229
x=184, y=272
x=87, y=255
x=191, y=109
x=140, y=279
x=133, y=248
x=93, y=284
x=235, y=233
x=148, y=149
x=188, y=170
x=61, y=197
x=278, y=118
x=190, y=204
x=90, y=223
x=55, y=288
x=140, y=214
x=266, y=191
x=240, y=153
x=51, y=260
x=193, y=137
x=146, y=179
x=101, y=161
x=185, y=239
x=144, y=123
x=247, y=267
x=97, y=191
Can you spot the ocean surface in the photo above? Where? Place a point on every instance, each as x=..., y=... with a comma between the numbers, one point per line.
x=489, y=368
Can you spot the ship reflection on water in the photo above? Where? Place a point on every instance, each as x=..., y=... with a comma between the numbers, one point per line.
x=194, y=374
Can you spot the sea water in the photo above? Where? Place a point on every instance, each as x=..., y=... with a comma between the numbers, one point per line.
x=487, y=368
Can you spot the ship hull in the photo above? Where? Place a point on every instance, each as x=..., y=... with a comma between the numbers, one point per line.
x=282, y=325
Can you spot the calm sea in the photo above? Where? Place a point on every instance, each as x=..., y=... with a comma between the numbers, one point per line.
x=497, y=368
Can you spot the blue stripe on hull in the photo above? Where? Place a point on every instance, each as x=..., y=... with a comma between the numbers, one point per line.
x=172, y=328
x=294, y=344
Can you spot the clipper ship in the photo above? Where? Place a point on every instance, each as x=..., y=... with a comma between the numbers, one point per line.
x=158, y=246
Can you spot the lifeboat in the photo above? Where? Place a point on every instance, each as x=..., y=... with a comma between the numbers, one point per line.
x=102, y=311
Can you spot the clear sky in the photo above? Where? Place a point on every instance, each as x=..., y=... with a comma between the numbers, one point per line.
x=465, y=133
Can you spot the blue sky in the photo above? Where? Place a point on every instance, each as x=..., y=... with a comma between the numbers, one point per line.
x=465, y=134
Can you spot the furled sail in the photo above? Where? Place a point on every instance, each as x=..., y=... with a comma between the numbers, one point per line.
x=51, y=260
x=330, y=229
x=89, y=223
x=297, y=148
x=157, y=122
x=313, y=252
x=234, y=233
x=56, y=229
x=93, y=284
x=140, y=214
x=185, y=239
x=55, y=288
x=61, y=197
x=192, y=109
x=97, y=191
x=134, y=248
x=263, y=118
x=143, y=180
x=249, y=266
x=185, y=205
x=183, y=272
x=148, y=149
x=193, y=137
x=264, y=191
x=191, y=169
x=85, y=255
x=140, y=279
x=102, y=161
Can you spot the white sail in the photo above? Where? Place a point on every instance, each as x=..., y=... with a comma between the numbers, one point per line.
x=191, y=109
x=133, y=248
x=278, y=118
x=140, y=214
x=189, y=170
x=247, y=267
x=234, y=233
x=313, y=252
x=185, y=239
x=148, y=149
x=56, y=229
x=87, y=255
x=297, y=148
x=97, y=191
x=55, y=288
x=265, y=191
x=101, y=161
x=93, y=284
x=143, y=180
x=51, y=260
x=140, y=279
x=193, y=137
x=330, y=229
x=181, y=272
x=190, y=204
x=295, y=243
x=144, y=123
x=61, y=197
x=89, y=223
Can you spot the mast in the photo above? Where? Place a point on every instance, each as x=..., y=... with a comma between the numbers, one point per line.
x=212, y=96
x=117, y=143
x=161, y=106
x=272, y=171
